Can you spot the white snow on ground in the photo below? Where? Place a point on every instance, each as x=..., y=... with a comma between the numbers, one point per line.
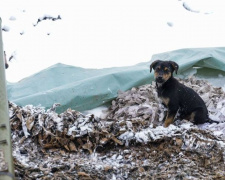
x=155, y=134
x=99, y=112
x=98, y=34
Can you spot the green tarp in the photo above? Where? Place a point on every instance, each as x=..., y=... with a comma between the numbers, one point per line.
x=84, y=89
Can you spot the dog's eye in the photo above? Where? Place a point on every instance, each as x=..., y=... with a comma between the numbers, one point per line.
x=166, y=69
x=158, y=68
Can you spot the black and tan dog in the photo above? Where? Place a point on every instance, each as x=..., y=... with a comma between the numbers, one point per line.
x=176, y=96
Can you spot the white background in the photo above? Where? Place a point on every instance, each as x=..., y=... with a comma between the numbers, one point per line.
x=105, y=33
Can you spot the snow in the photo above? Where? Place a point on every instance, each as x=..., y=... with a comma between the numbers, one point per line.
x=99, y=112
x=74, y=128
x=127, y=136
x=148, y=134
x=26, y=133
x=141, y=137
x=6, y=28
x=203, y=6
x=22, y=159
x=99, y=34
x=12, y=18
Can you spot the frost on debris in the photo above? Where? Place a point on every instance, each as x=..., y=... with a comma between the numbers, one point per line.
x=129, y=143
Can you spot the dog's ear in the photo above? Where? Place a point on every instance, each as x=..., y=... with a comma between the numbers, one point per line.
x=175, y=66
x=154, y=64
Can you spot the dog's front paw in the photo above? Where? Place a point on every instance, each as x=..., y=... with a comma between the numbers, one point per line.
x=166, y=125
x=168, y=121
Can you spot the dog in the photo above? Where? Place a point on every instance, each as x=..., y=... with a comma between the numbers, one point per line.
x=176, y=96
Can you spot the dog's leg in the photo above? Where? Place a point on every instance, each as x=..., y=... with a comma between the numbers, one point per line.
x=172, y=111
x=169, y=119
x=199, y=116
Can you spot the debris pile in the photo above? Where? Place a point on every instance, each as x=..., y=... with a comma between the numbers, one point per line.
x=143, y=103
x=214, y=97
x=130, y=143
x=136, y=105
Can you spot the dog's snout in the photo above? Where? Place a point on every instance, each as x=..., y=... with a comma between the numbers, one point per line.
x=159, y=79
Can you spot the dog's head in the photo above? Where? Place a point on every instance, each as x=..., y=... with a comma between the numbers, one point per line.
x=163, y=70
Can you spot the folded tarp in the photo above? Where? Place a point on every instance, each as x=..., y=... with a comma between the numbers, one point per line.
x=84, y=89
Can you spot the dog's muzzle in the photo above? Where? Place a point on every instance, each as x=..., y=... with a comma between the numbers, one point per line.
x=159, y=79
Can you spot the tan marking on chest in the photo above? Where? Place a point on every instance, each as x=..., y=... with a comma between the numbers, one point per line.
x=192, y=117
x=165, y=101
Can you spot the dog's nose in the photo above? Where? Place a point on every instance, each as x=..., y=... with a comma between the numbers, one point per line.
x=159, y=78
